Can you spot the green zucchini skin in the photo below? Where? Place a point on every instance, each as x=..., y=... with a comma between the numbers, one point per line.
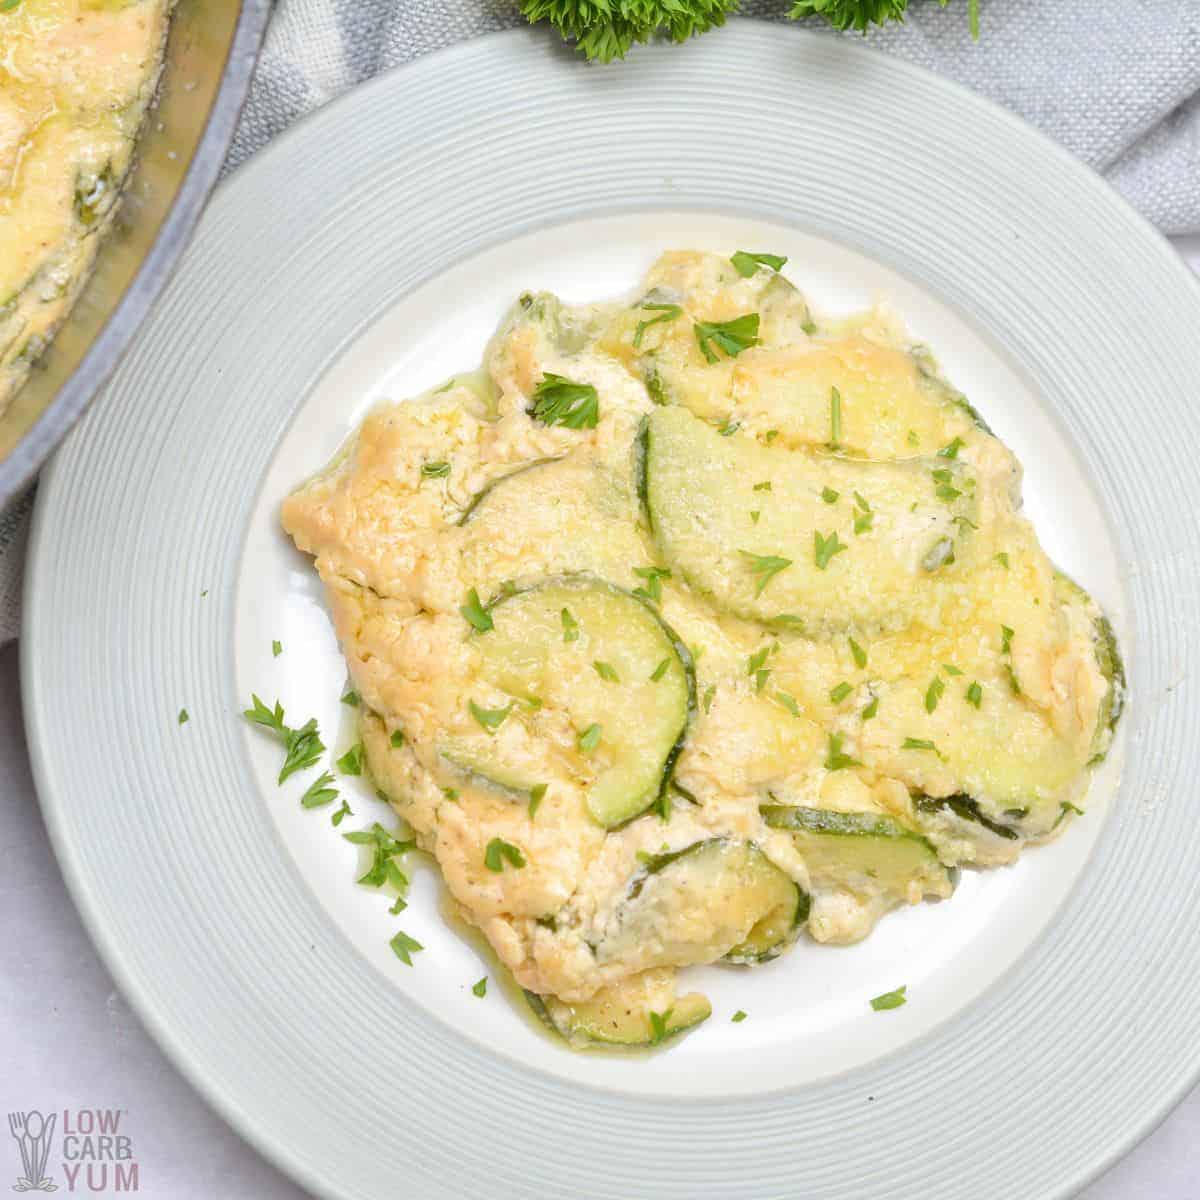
x=581, y=584
x=719, y=867
x=966, y=808
x=848, y=849
x=582, y=1025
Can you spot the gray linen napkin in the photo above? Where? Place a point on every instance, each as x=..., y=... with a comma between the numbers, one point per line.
x=1117, y=82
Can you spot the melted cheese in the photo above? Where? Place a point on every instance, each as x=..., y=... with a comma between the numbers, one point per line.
x=399, y=550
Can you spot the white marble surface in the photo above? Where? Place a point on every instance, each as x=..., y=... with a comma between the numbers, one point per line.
x=68, y=1040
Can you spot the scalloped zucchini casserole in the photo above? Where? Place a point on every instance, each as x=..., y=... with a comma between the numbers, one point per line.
x=76, y=77
x=692, y=625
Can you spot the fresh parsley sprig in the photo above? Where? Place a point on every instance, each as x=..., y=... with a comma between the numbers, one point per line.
x=302, y=747
x=731, y=336
x=561, y=401
x=603, y=30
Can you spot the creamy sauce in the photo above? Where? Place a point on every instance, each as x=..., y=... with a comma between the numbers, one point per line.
x=843, y=716
x=75, y=79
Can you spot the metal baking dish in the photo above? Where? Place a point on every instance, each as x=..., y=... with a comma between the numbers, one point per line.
x=211, y=50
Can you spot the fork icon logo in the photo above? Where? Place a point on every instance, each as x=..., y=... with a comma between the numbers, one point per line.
x=33, y=1134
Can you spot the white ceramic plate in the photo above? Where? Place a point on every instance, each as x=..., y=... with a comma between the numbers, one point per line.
x=369, y=254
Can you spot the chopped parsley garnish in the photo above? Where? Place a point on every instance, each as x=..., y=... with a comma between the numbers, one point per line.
x=764, y=567
x=342, y=813
x=653, y=577
x=351, y=697
x=824, y=548
x=835, y=418
x=829, y=495
x=839, y=693
x=771, y=435
x=912, y=743
x=480, y=988
x=860, y=501
x=302, y=747
x=933, y=693
x=475, y=614
x=398, y=906
x=559, y=401
x=570, y=627
x=384, y=847
x=947, y=492
x=450, y=794
x=863, y=522
x=397, y=738
x=746, y=264
x=974, y=694
x=658, y=1026
x=950, y=669
x=889, y=999
x=871, y=709
x=964, y=522
x=183, y=718
x=738, y=1017
x=912, y=438
x=757, y=660
x=351, y=763
x=709, y=693
x=404, y=947
x=276, y=649
x=1012, y=679
x=320, y=792
x=1006, y=637
x=730, y=336
x=860, y=655
x=760, y=679
x=660, y=670
x=788, y=702
x=1071, y=808
x=1002, y=559
x=499, y=852
x=755, y=514
x=666, y=312
x=835, y=759
x=435, y=470
x=537, y=794
x=606, y=671
x=589, y=739
x=951, y=449
x=729, y=427
x=490, y=718
x=765, y=486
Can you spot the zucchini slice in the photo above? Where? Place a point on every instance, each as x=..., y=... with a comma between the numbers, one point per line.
x=577, y=514
x=862, y=852
x=620, y=1015
x=715, y=898
x=836, y=542
x=1108, y=659
x=602, y=665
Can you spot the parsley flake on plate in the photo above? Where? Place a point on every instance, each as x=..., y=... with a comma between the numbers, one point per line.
x=888, y=1000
